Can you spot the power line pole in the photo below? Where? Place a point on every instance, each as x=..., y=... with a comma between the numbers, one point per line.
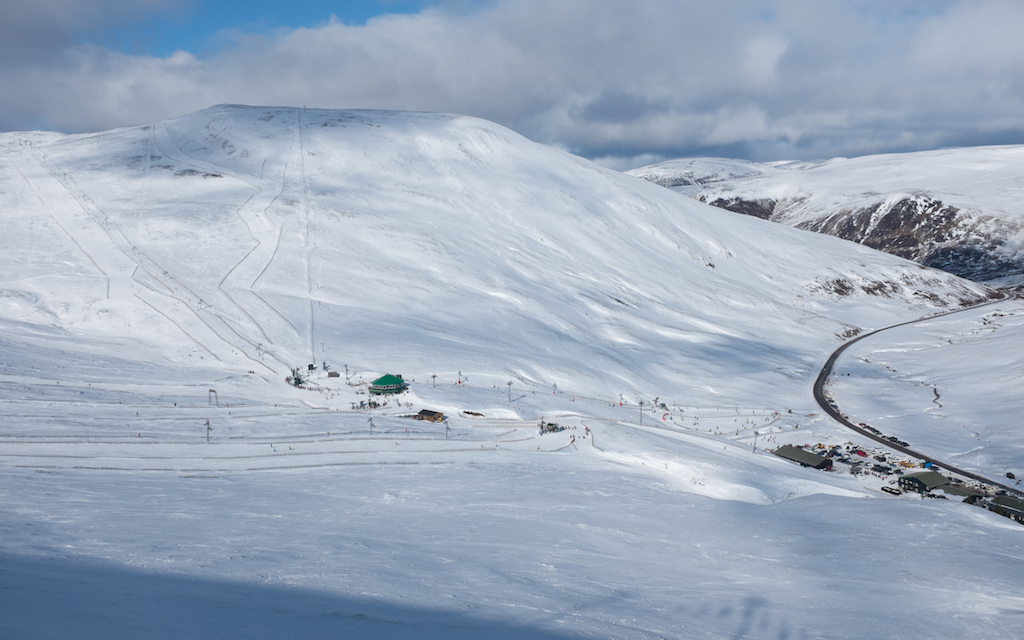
x=641, y=413
x=510, y=391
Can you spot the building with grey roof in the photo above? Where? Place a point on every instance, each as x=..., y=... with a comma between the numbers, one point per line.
x=805, y=458
x=923, y=481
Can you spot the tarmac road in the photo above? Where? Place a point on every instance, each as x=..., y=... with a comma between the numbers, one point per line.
x=823, y=402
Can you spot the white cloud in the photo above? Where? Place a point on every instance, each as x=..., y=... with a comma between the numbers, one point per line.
x=783, y=78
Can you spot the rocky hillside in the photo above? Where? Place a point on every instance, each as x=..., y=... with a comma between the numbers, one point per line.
x=957, y=209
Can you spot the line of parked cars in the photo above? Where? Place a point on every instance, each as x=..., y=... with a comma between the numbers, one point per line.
x=892, y=439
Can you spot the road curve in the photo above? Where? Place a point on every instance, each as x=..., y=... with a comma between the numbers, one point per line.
x=819, y=397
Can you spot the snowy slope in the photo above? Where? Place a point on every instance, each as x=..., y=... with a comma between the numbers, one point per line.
x=948, y=386
x=158, y=280
x=260, y=238
x=953, y=209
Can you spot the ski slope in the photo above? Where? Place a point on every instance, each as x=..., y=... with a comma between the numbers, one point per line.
x=162, y=278
x=259, y=238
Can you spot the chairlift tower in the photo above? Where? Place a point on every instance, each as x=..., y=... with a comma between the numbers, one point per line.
x=510, y=391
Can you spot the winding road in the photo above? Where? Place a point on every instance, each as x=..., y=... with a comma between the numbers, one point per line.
x=824, y=403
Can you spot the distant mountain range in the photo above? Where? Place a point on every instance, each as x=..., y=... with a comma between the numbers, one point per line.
x=959, y=210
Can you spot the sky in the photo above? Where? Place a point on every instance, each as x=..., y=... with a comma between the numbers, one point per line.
x=622, y=83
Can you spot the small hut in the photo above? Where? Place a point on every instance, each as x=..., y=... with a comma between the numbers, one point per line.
x=388, y=384
x=429, y=416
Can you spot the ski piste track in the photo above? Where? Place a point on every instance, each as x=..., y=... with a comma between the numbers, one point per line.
x=826, y=405
x=230, y=328
x=167, y=437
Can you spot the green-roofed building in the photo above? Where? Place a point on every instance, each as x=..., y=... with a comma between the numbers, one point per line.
x=388, y=384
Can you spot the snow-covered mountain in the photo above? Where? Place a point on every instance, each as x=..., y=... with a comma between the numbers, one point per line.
x=695, y=171
x=159, y=478
x=955, y=209
x=260, y=238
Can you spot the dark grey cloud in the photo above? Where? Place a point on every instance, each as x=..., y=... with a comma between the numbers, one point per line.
x=41, y=30
x=623, y=82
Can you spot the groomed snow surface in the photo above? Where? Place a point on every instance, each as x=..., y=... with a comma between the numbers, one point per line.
x=144, y=267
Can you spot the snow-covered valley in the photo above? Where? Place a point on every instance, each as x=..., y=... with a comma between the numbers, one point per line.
x=159, y=280
x=942, y=384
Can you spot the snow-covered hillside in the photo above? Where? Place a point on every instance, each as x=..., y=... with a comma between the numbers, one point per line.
x=159, y=478
x=695, y=171
x=945, y=385
x=953, y=209
x=260, y=238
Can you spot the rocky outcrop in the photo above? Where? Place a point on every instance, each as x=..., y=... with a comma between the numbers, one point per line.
x=916, y=227
x=758, y=208
x=960, y=210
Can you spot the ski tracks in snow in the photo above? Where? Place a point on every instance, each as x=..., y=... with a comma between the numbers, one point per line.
x=241, y=324
x=130, y=272
x=261, y=322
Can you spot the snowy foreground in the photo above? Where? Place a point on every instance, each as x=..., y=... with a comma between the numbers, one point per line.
x=162, y=279
x=294, y=522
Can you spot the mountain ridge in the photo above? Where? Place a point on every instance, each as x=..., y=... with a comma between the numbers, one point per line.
x=952, y=209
